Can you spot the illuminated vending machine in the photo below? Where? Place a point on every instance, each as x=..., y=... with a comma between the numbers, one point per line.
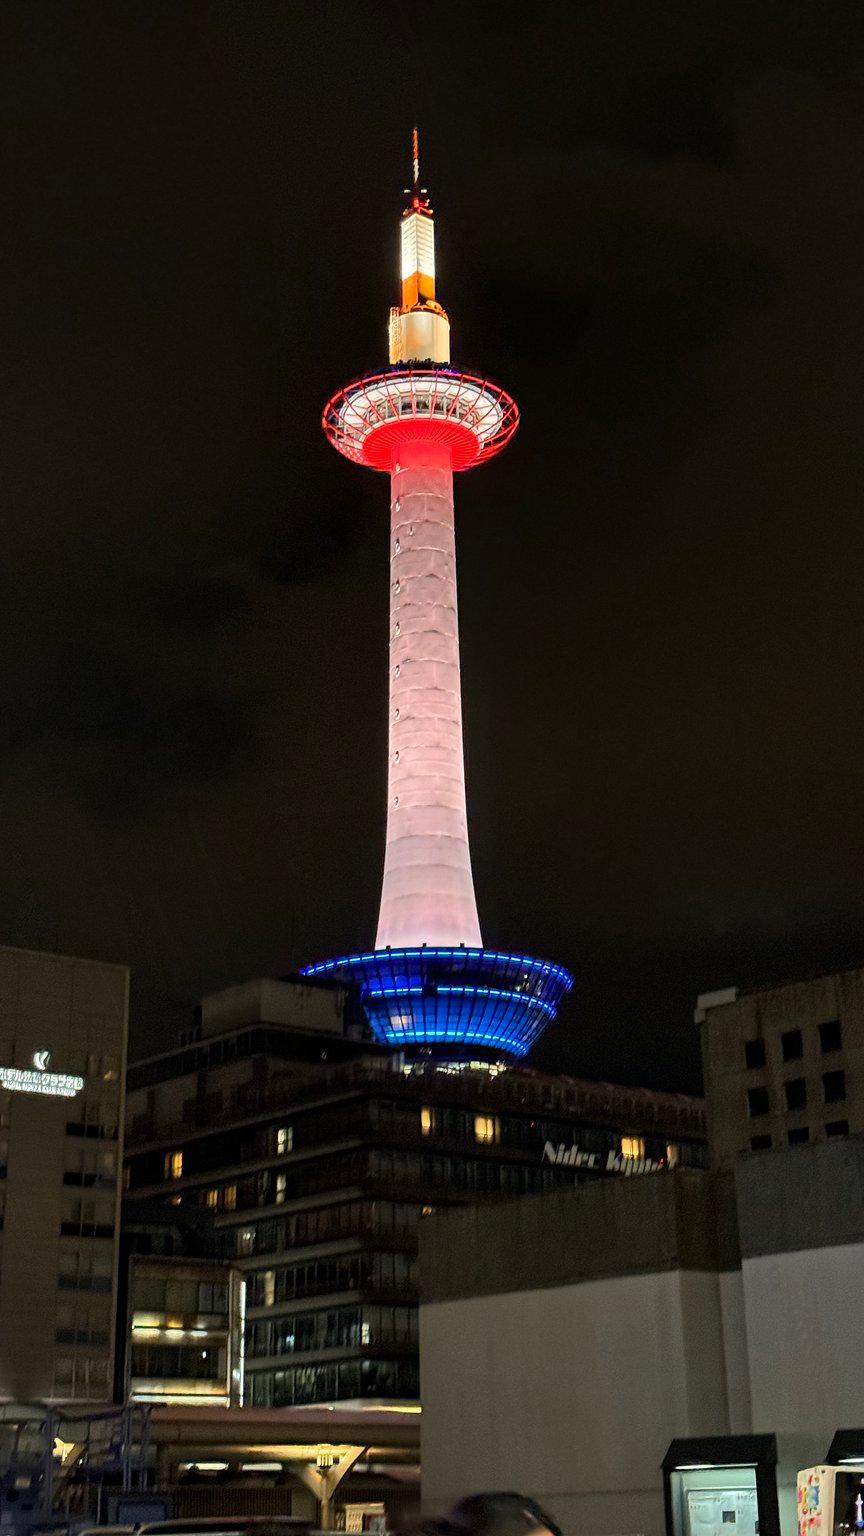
x=830, y=1501
x=816, y=1501
x=722, y=1486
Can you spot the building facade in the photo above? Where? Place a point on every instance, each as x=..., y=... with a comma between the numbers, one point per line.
x=317, y=1174
x=184, y=1330
x=63, y=1025
x=620, y=1318
x=783, y=1065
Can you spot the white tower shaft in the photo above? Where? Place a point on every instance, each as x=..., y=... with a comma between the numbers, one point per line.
x=428, y=890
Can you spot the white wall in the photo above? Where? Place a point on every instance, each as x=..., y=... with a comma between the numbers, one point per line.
x=572, y=1395
x=735, y=1352
x=805, y=1339
x=805, y=1334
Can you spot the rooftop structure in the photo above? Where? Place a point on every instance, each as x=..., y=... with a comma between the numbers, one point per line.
x=783, y=1064
x=430, y=982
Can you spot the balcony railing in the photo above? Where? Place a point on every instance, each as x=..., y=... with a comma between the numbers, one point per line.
x=637, y=1109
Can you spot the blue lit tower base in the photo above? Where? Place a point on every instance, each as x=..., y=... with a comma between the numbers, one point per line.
x=452, y=1002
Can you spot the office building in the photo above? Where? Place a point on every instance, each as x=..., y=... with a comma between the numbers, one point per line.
x=62, y=1064
x=317, y=1154
x=783, y=1065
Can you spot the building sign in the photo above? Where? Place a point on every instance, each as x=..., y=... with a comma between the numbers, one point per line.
x=573, y=1157
x=37, y=1079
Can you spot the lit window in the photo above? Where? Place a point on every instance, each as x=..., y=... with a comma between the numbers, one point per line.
x=280, y=1189
x=285, y=1139
x=212, y=1199
x=173, y=1165
x=246, y=1240
x=487, y=1128
x=230, y=1197
x=269, y=1278
x=633, y=1146
x=427, y=1121
x=672, y=1155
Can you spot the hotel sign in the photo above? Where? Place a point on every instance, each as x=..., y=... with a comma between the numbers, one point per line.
x=573, y=1157
x=37, y=1079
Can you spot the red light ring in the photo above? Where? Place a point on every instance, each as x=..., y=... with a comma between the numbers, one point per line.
x=370, y=419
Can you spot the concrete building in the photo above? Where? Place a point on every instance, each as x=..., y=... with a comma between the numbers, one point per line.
x=62, y=1064
x=567, y=1341
x=316, y=1155
x=783, y=1065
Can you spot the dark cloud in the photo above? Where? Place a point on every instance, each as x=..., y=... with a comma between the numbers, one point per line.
x=650, y=228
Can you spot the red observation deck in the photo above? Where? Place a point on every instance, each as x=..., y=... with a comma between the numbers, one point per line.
x=374, y=419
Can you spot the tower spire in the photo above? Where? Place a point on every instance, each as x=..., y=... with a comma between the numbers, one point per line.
x=419, y=328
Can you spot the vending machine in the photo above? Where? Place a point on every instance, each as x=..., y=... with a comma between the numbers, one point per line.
x=722, y=1486
x=831, y=1501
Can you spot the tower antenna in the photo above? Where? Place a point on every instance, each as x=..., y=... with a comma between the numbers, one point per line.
x=415, y=154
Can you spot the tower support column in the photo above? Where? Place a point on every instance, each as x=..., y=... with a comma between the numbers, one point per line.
x=428, y=889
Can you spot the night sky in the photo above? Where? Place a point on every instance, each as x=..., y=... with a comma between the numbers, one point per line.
x=650, y=229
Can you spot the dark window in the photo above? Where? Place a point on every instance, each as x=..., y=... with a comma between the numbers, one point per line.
x=796, y=1093
x=757, y=1101
x=166, y=1362
x=792, y=1045
x=754, y=1053
x=298, y=1384
x=84, y=1229
x=831, y=1035
x=760, y=1143
x=834, y=1084
x=800, y=1133
x=837, y=1128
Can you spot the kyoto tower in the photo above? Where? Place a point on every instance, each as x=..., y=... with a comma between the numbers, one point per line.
x=429, y=984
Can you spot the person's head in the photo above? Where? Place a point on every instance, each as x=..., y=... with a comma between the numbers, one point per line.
x=500, y=1514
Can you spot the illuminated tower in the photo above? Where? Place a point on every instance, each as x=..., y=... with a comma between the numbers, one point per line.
x=429, y=982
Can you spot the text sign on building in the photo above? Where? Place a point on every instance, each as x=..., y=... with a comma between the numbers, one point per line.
x=573, y=1157
x=37, y=1079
